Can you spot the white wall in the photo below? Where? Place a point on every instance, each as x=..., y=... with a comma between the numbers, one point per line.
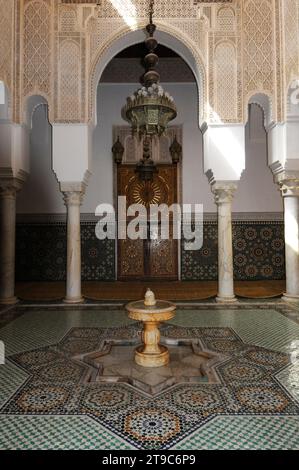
x=256, y=192
x=40, y=193
x=111, y=98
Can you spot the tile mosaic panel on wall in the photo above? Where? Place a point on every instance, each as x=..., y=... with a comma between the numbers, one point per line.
x=258, y=252
x=258, y=249
x=41, y=253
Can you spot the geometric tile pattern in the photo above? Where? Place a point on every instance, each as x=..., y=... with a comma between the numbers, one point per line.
x=258, y=253
x=46, y=260
x=258, y=249
x=45, y=405
x=247, y=386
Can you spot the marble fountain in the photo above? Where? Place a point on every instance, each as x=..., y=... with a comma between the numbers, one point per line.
x=150, y=354
x=152, y=313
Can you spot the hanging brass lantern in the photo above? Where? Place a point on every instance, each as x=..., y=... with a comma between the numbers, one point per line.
x=150, y=108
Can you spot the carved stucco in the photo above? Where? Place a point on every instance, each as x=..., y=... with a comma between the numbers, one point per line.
x=291, y=19
x=242, y=48
x=6, y=41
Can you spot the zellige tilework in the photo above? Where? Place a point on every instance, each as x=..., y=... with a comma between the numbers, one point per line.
x=254, y=405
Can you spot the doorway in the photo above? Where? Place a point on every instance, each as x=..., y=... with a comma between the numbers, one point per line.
x=152, y=258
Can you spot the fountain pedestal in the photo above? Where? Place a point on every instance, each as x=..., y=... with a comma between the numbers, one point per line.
x=151, y=353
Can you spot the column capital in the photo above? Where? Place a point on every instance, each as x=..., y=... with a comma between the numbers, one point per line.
x=73, y=193
x=288, y=183
x=223, y=192
x=73, y=198
x=9, y=187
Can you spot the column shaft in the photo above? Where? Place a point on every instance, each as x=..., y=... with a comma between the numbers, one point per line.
x=73, y=274
x=291, y=213
x=8, y=191
x=223, y=198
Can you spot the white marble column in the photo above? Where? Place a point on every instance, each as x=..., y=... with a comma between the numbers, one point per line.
x=73, y=201
x=8, y=192
x=290, y=193
x=223, y=193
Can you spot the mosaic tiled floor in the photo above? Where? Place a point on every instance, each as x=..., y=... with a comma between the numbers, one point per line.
x=46, y=404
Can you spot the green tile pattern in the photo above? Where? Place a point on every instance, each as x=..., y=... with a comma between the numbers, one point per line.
x=44, y=327
x=262, y=327
x=289, y=378
x=11, y=378
x=56, y=433
x=245, y=433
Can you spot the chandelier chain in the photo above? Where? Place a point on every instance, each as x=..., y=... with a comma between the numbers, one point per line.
x=151, y=10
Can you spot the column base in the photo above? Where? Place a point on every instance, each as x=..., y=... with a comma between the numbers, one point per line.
x=76, y=300
x=290, y=298
x=9, y=301
x=226, y=300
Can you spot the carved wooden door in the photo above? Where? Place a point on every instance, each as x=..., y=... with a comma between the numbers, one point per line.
x=150, y=258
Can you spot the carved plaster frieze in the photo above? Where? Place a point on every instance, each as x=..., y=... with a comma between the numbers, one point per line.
x=241, y=48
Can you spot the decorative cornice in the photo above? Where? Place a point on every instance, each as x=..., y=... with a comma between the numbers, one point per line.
x=87, y=218
x=72, y=186
x=276, y=168
x=98, y=2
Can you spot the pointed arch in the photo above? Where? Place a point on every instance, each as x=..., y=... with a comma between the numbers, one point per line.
x=166, y=35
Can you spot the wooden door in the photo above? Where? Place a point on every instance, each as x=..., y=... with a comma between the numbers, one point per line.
x=150, y=258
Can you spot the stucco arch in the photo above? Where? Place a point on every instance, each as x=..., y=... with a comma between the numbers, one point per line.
x=30, y=103
x=166, y=35
x=264, y=101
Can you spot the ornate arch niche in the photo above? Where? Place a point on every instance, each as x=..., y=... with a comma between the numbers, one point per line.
x=31, y=103
x=167, y=36
x=264, y=102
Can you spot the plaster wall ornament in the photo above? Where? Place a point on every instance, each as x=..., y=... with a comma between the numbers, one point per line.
x=241, y=48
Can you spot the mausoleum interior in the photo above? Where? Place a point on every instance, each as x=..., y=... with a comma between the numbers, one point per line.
x=112, y=342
